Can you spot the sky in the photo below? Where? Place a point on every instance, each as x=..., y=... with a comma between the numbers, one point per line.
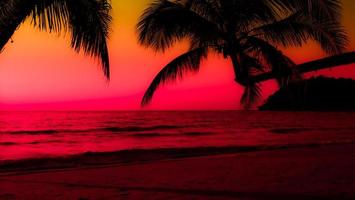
x=38, y=71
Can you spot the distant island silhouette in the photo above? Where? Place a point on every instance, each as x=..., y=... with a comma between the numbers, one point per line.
x=314, y=94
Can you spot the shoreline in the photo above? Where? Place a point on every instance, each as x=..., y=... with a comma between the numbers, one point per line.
x=320, y=172
x=139, y=156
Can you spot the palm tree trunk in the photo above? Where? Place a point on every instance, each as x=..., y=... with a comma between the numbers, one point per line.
x=238, y=71
x=325, y=63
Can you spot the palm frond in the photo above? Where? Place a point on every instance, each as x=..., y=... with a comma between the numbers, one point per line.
x=13, y=13
x=165, y=22
x=90, y=22
x=281, y=65
x=296, y=29
x=206, y=8
x=318, y=9
x=6, y=8
x=187, y=62
x=251, y=95
x=250, y=13
x=87, y=20
x=251, y=64
x=252, y=91
x=290, y=31
x=50, y=15
x=331, y=36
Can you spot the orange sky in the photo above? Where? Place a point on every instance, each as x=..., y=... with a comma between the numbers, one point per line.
x=40, y=71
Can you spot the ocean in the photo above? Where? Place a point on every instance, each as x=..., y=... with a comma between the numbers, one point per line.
x=27, y=135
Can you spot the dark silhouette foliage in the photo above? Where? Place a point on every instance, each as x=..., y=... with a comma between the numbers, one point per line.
x=248, y=32
x=323, y=63
x=87, y=21
x=315, y=94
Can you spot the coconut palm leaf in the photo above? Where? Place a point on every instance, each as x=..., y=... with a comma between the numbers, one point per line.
x=252, y=90
x=88, y=21
x=289, y=31
x=187, y=62
x=12, y=15
x=330, y=35
x=251, y=13
x=319, y=9
x=206, y=8
x=48, y=15
x=165, y=22
x=296, y=29
x=251, y=95
x=279, y=63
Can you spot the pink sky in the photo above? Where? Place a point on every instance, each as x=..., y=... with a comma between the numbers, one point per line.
x=40, y=71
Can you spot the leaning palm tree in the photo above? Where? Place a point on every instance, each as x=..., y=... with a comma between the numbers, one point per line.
x=88, y=22
x=314, y=65
x=248, y=32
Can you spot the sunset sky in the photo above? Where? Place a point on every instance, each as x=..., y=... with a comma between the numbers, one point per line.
x=40, y=71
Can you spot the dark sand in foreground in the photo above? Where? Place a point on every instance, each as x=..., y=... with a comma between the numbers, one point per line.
x=320, y=172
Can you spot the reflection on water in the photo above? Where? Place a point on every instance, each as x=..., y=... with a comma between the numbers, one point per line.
x=42, y=134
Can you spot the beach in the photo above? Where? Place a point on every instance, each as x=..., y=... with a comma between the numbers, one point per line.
x=308, y=172
x=177, y=155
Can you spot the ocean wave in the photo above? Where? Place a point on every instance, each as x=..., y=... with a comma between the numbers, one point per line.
x=155, y=134
x=90, y=159
x=46, y=142
x=119, y=157
x=140, y=128
x=146, y=135
x=31, y=143
x=8, y=143
x=32, y=132
x=197, y=133
x=103, y=129
x=290, y=130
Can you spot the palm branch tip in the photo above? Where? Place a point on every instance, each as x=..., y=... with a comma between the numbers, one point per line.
x=87, y=21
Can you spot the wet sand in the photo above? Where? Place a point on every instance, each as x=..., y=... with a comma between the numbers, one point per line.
x=309, y=172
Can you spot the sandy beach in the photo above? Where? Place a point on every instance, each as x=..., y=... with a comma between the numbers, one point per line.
x=318, y=172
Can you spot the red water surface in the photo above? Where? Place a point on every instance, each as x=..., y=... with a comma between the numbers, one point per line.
x=48, y=134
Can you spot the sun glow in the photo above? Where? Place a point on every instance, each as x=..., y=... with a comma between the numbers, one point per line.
x=39, y=71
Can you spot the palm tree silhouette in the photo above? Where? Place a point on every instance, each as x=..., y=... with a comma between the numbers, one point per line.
x=248, y=32
x=323, y=63
x=88, y=22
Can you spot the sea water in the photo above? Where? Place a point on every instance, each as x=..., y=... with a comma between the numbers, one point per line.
x=25, y=135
